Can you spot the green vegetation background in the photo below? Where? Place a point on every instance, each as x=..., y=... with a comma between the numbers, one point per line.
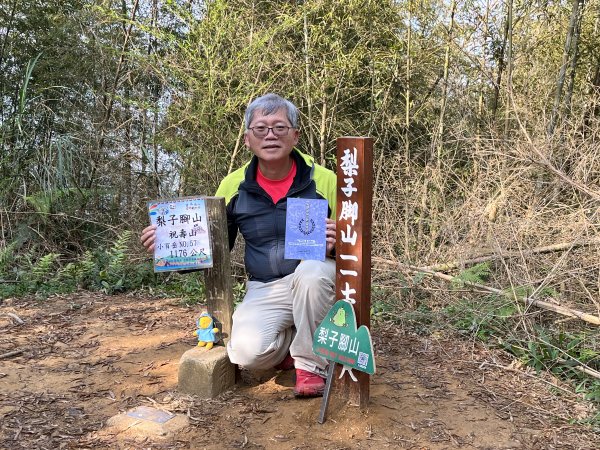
x=485, y=116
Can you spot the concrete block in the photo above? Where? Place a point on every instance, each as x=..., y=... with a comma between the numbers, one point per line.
x=206, y=373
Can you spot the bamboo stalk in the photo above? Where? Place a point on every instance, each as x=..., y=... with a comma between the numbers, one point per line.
x=311, y=133
x=408, y=80
x=322, y=142
x=588, y=371
x=509, y=66
x=560, y=81
x=583, y=368
x=120, y=64
x=438, y=140
x=527, y=300
x=237, y=146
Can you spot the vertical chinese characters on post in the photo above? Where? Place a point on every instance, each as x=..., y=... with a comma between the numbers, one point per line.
x=348, y=216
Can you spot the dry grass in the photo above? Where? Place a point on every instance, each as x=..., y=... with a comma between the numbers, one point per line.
x=504, y=198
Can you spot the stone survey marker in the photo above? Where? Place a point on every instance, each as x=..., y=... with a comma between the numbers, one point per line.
x=146, y=421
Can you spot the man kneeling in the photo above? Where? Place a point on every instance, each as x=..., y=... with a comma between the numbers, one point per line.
x=285, y=299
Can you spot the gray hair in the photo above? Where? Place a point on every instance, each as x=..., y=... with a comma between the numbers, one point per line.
x=270, y=104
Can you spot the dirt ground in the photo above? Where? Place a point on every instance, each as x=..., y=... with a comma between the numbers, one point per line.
x=77, y=360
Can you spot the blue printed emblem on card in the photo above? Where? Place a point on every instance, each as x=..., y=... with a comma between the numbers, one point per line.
x=305, y=229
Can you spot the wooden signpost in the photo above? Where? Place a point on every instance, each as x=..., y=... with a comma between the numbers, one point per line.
x=218, y=283
x=353, y=244
x=353, y=275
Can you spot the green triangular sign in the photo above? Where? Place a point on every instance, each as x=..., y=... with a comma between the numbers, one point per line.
x=338, y=340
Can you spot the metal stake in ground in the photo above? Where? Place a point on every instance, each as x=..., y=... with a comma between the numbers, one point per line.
x=325, y=402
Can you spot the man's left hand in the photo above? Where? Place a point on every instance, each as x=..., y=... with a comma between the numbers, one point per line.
x=330, y=235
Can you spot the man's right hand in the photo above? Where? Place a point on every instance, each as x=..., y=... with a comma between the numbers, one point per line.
x=147, y=238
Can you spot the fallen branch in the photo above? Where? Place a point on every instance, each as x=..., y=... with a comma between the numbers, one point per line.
x=527, y=300
x=588, y=371
x=16, y=318
x=11, y=354
x=510, y=254
x=583, y=368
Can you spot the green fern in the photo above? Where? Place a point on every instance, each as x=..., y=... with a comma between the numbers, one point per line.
x=520, y=292
x=112, y=278
x=87, y=269
x=42, y=271
x=79, y=273
x=478, y=274
x=46, y=202
x=7, y=256
x=68, y=273
x=118, y=254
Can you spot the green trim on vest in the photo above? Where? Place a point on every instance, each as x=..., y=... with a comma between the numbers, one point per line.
x=325, y=181
x=229, y=185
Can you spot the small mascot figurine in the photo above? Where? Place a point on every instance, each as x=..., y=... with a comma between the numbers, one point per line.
x=206, y=331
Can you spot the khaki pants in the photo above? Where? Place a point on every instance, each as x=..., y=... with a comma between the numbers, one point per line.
x=262, y=325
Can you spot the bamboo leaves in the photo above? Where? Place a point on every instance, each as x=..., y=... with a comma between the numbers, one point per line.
x=23, y=91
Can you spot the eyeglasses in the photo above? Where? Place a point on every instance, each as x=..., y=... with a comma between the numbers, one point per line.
x=278, y=130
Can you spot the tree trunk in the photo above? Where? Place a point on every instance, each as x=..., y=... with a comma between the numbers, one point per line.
x=8, y=29
x=480, y=100
x=118, y=73
x=309, y=105
x=322, y=135
x=573, y=63
x=509, y=60
x=593, y=106
x=407, y=95
x=560, y=81
x=439, y=145
x=501, y=65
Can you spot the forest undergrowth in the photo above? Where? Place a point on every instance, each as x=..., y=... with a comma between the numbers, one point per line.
x=486, y=126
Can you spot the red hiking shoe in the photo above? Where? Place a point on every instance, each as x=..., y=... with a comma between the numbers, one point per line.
x=286, y=364
x=308, y=384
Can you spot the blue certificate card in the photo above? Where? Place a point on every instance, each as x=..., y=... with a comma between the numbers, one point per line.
x=182, y=234
x=305, y=229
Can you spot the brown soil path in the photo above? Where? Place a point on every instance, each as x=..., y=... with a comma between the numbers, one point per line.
x=87, y=357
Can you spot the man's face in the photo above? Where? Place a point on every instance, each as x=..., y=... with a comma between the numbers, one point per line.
x=271, y=148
